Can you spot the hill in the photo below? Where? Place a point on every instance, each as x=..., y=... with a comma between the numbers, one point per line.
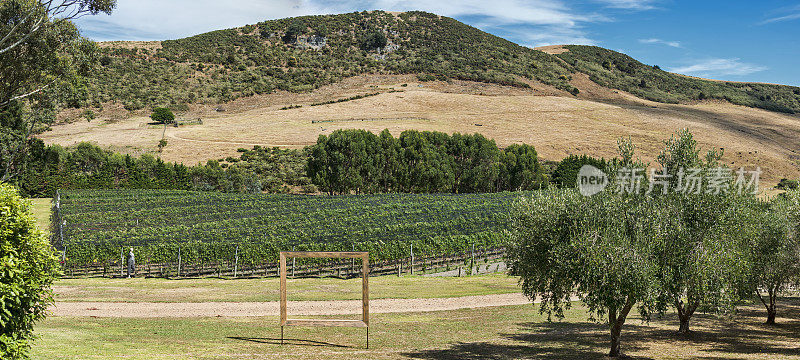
x=255, y=85
x=304, y=53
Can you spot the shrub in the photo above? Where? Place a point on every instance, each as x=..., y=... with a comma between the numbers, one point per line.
x=28, y=267
x=374, y=40
x=786, y=184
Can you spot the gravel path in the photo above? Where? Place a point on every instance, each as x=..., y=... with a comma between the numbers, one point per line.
x=231, y=309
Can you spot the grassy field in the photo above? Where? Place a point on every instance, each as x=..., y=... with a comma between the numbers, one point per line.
x=41, y=210
x=267, y=289
x=511, y=332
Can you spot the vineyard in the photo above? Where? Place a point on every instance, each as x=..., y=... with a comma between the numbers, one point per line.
x=209, y=230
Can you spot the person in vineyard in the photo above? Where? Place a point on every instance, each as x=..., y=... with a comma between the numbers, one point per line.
x=131, y=264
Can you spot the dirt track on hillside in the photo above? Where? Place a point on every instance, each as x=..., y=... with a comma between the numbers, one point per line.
x=302, y=308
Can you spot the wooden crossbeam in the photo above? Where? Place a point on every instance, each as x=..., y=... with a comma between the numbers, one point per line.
x=326, y=254
x=317, y=322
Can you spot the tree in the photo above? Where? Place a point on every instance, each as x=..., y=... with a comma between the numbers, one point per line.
x=769, y=232
x=519, y=169
x=162, y=115
x=699, y=268
x=28, y=268
x=374, y=40
x=295, y=29
x=602, y=249
x=474, y=163
x=427, y=166
x=40, y=35
x=347, y=161
x=566, y=173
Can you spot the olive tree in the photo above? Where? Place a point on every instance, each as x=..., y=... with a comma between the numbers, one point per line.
x=768, y=231
x=700, y=268
x=28, y=267
x=602, y=250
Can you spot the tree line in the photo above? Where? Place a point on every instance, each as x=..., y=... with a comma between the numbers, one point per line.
x=361, y=162
x=46, y=169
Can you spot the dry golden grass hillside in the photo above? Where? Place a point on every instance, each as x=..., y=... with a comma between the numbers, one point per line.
x=557, y=124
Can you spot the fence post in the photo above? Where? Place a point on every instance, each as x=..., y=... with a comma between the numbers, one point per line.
x=63, y=244
x=293, y=263
x=412, y=258
x=472, y=265
x=236, y=265
x=121, y=261
x=179, y=261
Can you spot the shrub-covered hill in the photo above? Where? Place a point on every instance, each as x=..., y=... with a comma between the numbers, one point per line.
x=299, y=54
x=615, y=70
x=303, y=53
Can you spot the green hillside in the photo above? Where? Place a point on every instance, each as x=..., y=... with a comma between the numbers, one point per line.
x=619, y=71
x=303, y=53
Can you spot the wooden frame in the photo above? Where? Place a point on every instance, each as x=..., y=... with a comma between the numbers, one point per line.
x=363, y=323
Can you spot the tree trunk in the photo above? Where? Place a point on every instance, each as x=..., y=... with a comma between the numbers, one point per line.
x=772, y=293
x=684, y=315
x=616, y=320
x=684, y=329
x=615, y=337
x=771, y=315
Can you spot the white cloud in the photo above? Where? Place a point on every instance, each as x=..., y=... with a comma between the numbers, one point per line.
x=532, y=22
x=675, y=44
x=535, y=12
x=159, y=19
x=716, y=67
x=783, y=14
x=629, y=4
x=549, y=35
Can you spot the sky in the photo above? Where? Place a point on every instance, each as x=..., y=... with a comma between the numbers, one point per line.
x=727, y=40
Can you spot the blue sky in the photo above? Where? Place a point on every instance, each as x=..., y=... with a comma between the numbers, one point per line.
x=729, y=40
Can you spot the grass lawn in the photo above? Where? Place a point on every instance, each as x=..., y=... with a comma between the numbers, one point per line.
x=511, y=332
x=41, y=211
x=267, y=289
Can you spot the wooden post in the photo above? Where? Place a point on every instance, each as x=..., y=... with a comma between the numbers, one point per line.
x=365, y=292
x=283, y=292
x=121, y=262
x=179, y=261
x=412, y=258
x=236, y=265
x=472, y=265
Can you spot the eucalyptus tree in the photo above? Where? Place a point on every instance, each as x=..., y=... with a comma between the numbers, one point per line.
x=602, y=249
x=42, y=61
x=519, y=169
x=39, y=44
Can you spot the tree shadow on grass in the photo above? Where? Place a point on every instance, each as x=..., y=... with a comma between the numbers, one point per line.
x=301, y=342
x=555, y=340
x=712, y=338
